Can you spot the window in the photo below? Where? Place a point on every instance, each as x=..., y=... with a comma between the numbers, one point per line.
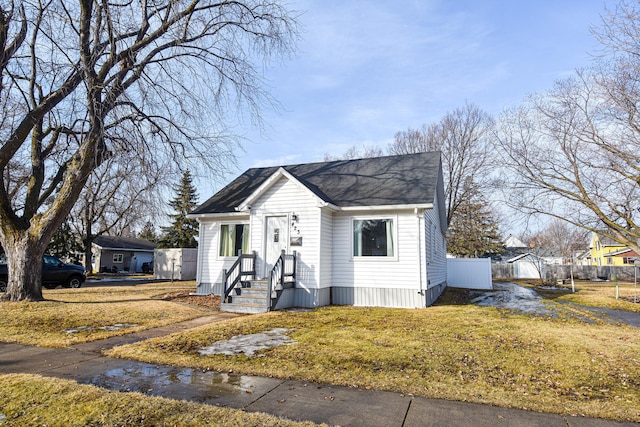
x=117, y=258
x=609, y=260
x=627, y=260
x=373, y=237
x=234, y=238
x=51, y=261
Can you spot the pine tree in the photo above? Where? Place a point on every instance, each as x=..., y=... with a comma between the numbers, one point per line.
x=473, y=231
x=148, y=232
x=183, y=231
x=65, y=243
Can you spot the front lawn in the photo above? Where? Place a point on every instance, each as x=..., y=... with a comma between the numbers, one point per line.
x=72, y=316
x=568, y=364
x=597, y=294
x=32, y=400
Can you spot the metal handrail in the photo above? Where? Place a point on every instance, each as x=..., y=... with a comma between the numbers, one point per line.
x=239, y=269
x=284, y=267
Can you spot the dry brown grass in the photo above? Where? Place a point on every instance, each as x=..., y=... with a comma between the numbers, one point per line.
x=44, y=323
x=562, y=365
x=596, y=294
x=31, y=400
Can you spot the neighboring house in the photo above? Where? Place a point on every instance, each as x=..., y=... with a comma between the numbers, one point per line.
x=528, y=266
x=622, y=257
x=118, y=254
x=367, y=232
x=582, y=257
x=551, y=256
x=604, y=252
x=513, y=247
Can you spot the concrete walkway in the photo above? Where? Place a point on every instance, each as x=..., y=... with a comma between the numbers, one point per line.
x=295, y=400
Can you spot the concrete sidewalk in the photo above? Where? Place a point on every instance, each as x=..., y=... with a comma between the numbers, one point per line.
x=295, y=400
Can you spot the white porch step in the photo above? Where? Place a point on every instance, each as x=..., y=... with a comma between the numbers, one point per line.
x=251, y=297
x=248, y=299
x=243, y=308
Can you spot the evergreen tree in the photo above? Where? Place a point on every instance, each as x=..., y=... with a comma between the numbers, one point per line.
x=183, y=231
x=148, y=232
x=473, y=231
x=65, y=243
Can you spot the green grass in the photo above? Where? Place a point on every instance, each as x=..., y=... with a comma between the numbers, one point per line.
x=462, y=352
x=31, y=400
x=44, y=323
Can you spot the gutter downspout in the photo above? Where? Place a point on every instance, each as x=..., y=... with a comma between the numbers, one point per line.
x=421, y=291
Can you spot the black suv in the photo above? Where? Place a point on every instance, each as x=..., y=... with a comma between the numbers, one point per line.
x=54, y=273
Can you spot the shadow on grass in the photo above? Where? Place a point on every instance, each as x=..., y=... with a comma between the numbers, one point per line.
x=456, y=296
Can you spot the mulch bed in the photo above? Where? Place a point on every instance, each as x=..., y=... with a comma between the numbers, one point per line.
x=208, y=301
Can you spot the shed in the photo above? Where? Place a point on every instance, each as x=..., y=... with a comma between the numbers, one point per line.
x=175, y=264
x=528, y=266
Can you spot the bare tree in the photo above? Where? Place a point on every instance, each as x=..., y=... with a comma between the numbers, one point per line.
x=574, y=151
x=119, y=195
x=463, y=136
x=569, y=157
x=560, y=237
x=356, y=152
x=77, y=80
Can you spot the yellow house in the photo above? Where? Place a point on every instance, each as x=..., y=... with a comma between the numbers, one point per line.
x=605, y=251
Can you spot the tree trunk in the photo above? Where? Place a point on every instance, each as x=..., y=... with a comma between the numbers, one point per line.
x=24, y=263
x=87, y=255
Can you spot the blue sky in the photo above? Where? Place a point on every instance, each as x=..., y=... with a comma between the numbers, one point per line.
x=367, y=69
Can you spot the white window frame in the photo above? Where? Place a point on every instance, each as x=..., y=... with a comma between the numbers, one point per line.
x=382, y=258
x=219, y=237
x=118, y=258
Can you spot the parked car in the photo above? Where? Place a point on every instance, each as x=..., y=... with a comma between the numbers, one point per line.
x=147, y=267
x=54, y=273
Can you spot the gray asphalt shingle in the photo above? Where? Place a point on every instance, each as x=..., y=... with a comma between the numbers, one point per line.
x=391, y=180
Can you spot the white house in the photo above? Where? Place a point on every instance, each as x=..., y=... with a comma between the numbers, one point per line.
x=367, y=232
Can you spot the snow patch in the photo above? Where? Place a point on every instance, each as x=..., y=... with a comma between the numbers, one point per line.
x=249, y=344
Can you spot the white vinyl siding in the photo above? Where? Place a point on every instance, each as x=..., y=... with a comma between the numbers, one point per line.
x=287, y=198
x=326, y=248
x=210, y=264
x=436, y=248
x=377, y=272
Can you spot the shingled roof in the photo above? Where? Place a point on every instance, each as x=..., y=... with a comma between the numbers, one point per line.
x=409, y=179
x=124, y=243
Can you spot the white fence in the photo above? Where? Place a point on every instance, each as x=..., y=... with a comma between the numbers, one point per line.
x=470, y=273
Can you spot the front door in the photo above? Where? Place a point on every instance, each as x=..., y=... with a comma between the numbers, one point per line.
x=276, y=241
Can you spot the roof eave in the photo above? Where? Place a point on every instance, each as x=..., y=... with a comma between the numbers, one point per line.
x=106, y=248
x=218, y=215
x=386, y=207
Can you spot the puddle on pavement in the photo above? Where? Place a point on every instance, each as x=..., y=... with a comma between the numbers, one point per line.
x=158, y=379
x=110, y=328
